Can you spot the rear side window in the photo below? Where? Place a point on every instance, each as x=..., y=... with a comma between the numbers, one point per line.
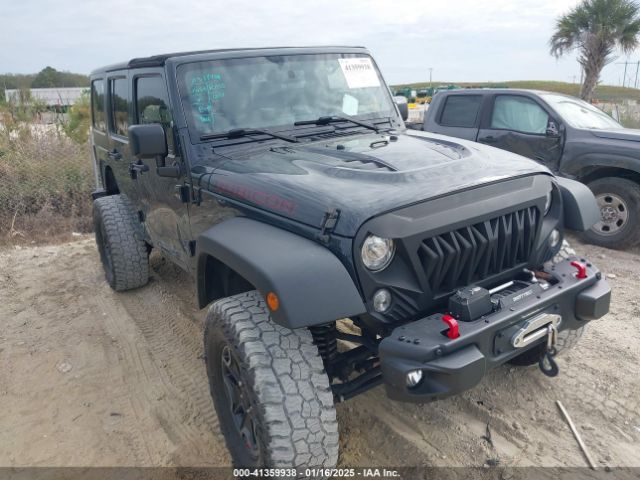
x=119, y=111
x=460, y=110
x=152, y=104
x=97, y=105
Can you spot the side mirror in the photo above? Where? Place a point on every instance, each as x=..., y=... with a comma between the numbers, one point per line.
x=403, y=107
x=552, y=129
x=148, y=141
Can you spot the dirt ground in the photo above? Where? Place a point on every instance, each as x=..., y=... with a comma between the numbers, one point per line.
x=90, y=377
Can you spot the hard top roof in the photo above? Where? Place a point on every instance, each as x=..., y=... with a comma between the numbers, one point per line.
x=159, y=60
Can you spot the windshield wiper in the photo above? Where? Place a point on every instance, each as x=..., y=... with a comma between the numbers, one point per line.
x=245, y=132
x=335, y=119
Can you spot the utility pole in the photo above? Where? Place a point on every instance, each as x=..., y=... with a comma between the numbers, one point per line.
x=624, y=76
x=430, y=76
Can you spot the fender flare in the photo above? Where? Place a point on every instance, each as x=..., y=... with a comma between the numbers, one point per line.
x=312, y=285
x=581, y=210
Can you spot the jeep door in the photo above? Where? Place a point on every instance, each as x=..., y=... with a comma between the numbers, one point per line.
x=165, y=216
x=118, y=157
x=522, y=125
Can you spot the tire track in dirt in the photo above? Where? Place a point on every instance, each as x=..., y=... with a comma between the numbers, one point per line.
x=174, y=344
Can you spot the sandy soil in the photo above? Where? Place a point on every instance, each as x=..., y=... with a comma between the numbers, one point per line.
x=90, y=377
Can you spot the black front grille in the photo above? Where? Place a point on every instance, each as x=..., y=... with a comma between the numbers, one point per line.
x=479, y=251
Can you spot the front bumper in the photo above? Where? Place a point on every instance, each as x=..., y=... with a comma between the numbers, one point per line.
x=450, y=366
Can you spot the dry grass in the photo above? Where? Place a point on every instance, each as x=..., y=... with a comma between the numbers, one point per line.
x=45, y=185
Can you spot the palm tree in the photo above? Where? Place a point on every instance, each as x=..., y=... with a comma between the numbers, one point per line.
x=596, y=28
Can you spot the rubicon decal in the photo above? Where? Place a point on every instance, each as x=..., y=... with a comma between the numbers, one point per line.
x=264, y=199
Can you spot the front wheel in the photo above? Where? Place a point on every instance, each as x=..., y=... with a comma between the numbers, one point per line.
x=269, y=388
x=619, y=203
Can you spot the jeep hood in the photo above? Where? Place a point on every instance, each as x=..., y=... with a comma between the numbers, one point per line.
x=362, y=176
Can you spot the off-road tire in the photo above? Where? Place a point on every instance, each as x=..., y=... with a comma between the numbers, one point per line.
x=566, y=338
x=284, y=379
x=629, y=234
x=123, y=252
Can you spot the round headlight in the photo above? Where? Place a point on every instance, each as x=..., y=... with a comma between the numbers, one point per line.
x=547, y=202
x=377, y=252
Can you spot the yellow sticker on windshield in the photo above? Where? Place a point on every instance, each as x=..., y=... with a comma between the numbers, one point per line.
x=359, y=72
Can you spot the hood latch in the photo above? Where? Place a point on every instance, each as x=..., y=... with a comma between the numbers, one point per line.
x=328, y=224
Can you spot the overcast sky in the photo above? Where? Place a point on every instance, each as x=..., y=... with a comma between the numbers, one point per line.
x=462, y=40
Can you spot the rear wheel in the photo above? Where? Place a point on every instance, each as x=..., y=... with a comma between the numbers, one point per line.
x=619, y=203
x=269, y=387
x=122, y=251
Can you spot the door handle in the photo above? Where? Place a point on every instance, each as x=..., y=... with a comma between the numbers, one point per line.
x=114, y=155
x=488, y=139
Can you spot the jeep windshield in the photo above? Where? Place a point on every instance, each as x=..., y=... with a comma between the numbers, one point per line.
x=580, y=114
x=278, y=92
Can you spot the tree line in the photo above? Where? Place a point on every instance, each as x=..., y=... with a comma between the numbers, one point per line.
x=48, y=77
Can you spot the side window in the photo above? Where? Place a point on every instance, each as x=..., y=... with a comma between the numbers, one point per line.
x=512, y=112
x=97, y=105
x=152, y=104
x=118, y=93
x=460, y=110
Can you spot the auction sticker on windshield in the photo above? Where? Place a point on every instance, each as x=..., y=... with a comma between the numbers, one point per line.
x=359, y=72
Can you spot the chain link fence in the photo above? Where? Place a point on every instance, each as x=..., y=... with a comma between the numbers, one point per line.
x=46, y=179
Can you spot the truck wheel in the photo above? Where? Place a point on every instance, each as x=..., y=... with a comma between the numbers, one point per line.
x=123, y=253
x=269, y=388
x=566, y=338
x=619, y=203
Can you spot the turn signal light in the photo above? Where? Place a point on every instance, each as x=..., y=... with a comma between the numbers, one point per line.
x=273, y=302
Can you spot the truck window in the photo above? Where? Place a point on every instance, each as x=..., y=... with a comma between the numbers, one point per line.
x=118, y=94
x=152, y=104
x=460, y=110
x=97, y=105
x=511, y=112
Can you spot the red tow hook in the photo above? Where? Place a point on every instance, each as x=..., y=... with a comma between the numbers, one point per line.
x=452, y=323
x=582, y=270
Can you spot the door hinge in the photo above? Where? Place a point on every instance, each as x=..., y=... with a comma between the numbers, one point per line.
x=188, y=195
x=328, y=225
x=184, y=193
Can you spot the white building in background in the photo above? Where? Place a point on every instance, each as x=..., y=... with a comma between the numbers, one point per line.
x=52, y=97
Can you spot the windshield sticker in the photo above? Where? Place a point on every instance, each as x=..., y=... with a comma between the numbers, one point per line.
x=359, y=72
x=349, y=104
x=206, y=90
